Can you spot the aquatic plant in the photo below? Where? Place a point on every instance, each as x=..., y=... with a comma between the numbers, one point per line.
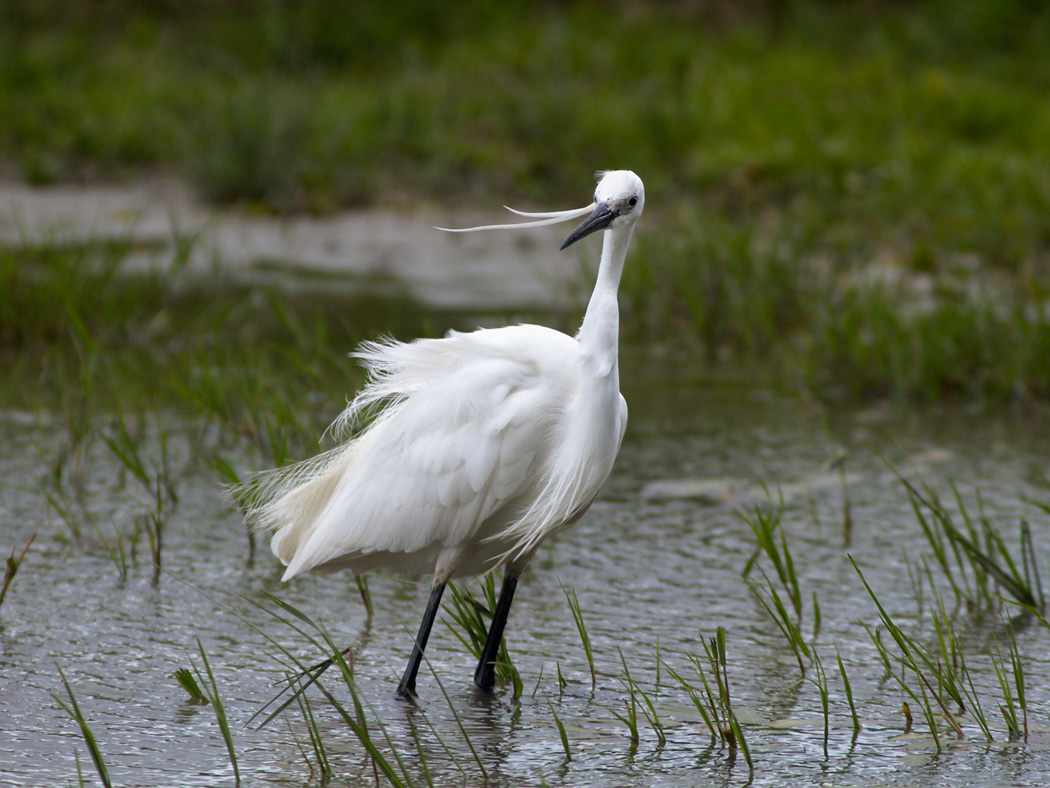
x=316, y=740
x=1012, y=686
x=820, y=681
x=12, y=566
x=715, y=705
x=914, y=660
x=562, y=734
x=933, y=679
x=157, y=480
x=391, y=763
x=73, y=710
x=186, y=680
x=212, y=694
x=973, y=557
x=635, y=691
x=581, y=628
x=765, y=524
x=629, y=717
x=472, y=618
x=847, y=687
x=74, y=513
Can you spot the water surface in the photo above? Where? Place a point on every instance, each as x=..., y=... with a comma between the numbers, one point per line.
x=655, y=574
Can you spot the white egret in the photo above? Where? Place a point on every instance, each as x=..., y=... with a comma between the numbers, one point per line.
x=483, y=444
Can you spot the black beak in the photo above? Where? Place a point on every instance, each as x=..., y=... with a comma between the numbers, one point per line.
x=599, y=220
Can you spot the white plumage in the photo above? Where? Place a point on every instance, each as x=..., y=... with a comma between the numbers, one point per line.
x=482, y=445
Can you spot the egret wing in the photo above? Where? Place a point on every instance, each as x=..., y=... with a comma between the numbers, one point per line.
x=436, y=466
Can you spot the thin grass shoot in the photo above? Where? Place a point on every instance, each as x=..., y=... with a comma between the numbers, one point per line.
x=562, y=734
x=13, y=565
x=581, y=628
x=220, y=711
x=848, y=689
x=73, y=710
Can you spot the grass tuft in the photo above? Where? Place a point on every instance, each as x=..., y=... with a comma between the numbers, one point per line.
x=932, y=680
x=973, y=556
x=473, y=619
x=714, y=703
x=765, y=525
x=158, y=483
x=1010, y=676
x=646, y=705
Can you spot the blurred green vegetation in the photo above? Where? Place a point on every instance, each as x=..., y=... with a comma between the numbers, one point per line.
x=854, y=194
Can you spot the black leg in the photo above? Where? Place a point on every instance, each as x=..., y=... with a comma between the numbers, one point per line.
x=407, y=688
x=485, y=675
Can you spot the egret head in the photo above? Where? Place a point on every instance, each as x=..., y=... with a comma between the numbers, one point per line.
x=618, y=200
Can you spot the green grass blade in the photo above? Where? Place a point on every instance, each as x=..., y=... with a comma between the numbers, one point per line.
x=73, y=710
x=561, y=732
x=459, y=722
x=848, y=689
x=581, y=628
x=220, y=713
x=187, y=681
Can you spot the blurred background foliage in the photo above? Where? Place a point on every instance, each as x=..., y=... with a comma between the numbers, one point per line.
x=854, y=194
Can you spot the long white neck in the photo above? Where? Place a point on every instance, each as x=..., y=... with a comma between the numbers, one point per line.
x=599, y=334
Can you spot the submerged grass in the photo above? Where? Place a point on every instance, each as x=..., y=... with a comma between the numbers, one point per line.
x=1012, y=686
x=259, y=413
x=316, y=740
x=562, y=733
x=632, y=704
x=392, y=763
x=318, y=637
x=932, y=670
x=917, y=667
x=847, y=687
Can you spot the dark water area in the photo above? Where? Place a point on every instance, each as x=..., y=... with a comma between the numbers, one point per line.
x=656, y=565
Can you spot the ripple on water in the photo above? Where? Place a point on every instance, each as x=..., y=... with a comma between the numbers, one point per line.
x=654, y=578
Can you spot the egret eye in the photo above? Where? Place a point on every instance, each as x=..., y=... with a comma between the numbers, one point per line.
x=633, y=201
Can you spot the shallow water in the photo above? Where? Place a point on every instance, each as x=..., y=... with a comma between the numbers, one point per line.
x=655, y=574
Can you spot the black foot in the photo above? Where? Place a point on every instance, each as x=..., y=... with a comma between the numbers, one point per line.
x=485, y=681
x=485, y=677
